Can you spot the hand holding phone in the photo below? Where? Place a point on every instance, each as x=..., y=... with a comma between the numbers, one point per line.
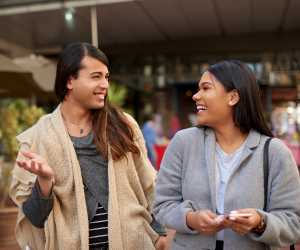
x=240, y=215
x=236, y=214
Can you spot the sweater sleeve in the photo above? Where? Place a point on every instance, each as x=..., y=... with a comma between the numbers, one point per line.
x=37, y=208
x=283, y=206
x=157, y=227
x=169, y=208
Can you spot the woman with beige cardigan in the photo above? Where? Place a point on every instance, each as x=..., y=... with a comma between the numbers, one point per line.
x=82, y=178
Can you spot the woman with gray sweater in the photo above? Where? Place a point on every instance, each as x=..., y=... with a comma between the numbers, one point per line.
x=216, y=169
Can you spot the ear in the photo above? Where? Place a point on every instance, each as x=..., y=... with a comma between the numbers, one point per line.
x=70, y=82
x=233, y=98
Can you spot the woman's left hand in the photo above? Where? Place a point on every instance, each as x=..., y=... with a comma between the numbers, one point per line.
x=242, y=225
x=160, y=244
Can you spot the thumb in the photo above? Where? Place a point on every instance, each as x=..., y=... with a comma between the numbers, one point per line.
x=28, y=154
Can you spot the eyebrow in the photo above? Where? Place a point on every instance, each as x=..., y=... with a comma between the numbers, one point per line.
x=206, y=83
x=99, y=72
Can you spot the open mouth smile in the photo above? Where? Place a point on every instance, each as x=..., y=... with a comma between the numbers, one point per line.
x=201, y=108
x=101, y=96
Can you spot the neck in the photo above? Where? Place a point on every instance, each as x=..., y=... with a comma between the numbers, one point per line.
x=230, y=138
x=75, y=115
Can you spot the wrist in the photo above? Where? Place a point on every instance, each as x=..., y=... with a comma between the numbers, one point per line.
x=190, y=219
x=261, y=226
x=44, y=180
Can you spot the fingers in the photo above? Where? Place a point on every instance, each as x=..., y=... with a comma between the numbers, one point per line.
x=30, y=166
x=210, y=214
x=219, y=219
x=19, y=163
x=239, y=227
x=214, y=223
x=208, y=218
x=28, y=154
x=24, y=164
x=40, y=166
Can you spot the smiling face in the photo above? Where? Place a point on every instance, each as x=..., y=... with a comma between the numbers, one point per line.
x=88, y=91
x=214, y=104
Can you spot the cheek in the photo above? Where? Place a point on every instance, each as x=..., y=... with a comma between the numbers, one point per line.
x=217, y=105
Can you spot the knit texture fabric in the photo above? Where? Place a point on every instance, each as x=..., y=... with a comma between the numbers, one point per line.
x=131, y=186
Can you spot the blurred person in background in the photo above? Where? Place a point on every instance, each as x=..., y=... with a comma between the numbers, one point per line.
x=174, y=126
x=150, y=135
x=158, y=126
x=82, y=178
x=216, y=169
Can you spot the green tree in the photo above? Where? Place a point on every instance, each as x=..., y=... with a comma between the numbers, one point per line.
x=15, y=119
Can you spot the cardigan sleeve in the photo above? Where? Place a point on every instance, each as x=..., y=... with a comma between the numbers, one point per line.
x=37, y=208
x=283, y=207
x=168, y=207
x=157, y=227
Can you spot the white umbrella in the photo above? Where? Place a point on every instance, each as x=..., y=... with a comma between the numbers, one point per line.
x=16, y=82
x=43, y=70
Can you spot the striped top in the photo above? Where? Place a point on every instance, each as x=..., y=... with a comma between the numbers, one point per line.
x=98, y=234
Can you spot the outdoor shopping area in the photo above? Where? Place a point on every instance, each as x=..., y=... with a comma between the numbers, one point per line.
x=155, y=54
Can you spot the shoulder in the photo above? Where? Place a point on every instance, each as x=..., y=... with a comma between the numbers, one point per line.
x=28, y=135
x=276, y=145
x=131, y=120
x=134, y=125
x=278, y=151
x=187, y=137
x=190, y=133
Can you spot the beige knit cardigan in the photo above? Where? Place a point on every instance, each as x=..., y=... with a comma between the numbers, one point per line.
x=131, y=186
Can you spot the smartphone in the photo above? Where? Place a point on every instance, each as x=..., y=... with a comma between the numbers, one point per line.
x=238, y=215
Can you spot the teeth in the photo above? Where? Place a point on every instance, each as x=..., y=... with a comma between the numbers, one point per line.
x=100, y=95
x=201, y=107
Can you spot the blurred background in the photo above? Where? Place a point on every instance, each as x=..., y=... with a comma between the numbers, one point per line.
x=158, y=50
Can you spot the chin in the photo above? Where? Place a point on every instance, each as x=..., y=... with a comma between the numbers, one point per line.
x=99, y=106
x=201, y=122
x=96, y=106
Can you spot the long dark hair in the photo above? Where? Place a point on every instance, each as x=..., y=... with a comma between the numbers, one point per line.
x=110, y=126
x=248, y=111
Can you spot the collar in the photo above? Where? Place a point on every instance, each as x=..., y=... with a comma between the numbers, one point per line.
x=253, y=139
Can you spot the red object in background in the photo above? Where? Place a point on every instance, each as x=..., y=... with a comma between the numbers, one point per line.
x=160, y=150
x=296, y=153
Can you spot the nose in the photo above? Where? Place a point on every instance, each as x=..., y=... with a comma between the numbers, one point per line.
x=104, y=84
x=196, y=97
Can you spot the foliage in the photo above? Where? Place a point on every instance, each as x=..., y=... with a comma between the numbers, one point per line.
x=117, y=94
x=5, y=180
x=15, y=119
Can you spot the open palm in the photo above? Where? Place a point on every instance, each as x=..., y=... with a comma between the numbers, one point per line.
x=36, y=165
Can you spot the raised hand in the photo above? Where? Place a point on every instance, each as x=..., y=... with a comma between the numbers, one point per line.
x=203, y=221
x=39, y=166
x=36, y=165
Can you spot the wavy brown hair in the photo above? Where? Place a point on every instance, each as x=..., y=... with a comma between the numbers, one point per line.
x=110, y=125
